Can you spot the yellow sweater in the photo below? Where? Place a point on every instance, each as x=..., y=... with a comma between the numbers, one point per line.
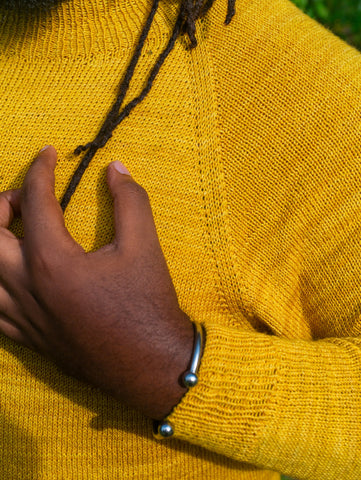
x=249, y=147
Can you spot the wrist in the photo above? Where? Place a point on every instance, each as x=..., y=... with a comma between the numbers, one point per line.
x=165, y=429
x=152, y=379
x=172, y=361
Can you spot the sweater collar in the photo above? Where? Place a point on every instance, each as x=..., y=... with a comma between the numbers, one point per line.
x=81, y=28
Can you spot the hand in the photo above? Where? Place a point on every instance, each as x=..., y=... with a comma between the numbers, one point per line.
x=109, y=317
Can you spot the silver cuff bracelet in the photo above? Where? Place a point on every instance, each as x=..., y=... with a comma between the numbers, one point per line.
x=164, y=429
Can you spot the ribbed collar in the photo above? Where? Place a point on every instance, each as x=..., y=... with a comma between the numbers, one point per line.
x=81, y=28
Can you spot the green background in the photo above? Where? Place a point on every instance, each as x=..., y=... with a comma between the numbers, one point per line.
x=343, y=17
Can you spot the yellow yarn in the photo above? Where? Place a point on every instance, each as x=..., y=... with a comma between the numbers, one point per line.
x=249, y=147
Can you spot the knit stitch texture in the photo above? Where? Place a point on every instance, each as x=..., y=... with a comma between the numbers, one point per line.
x=249, y=148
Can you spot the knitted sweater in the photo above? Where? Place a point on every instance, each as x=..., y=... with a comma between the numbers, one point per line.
x=249, y=148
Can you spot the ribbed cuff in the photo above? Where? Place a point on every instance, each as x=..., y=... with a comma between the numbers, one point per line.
x=233, y=400
x=288, y=405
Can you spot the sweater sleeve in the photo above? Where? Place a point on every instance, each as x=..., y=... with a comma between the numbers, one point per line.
x=291, y=406
x=288, y=95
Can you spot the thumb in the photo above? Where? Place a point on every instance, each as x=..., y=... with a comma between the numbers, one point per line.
x=133, y=219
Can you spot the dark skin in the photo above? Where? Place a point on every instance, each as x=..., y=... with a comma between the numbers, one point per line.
x=110, y=317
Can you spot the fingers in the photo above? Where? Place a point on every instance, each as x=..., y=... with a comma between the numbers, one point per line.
x=12, y=331
x=44, y=228
x=9, y=207
x=11, y=323
x=133, y=219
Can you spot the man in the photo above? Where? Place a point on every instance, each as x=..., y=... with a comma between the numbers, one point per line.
x=247, y=146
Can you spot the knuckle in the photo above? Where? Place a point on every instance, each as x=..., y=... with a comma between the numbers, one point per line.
x=3, y=197
x=29, y=190
x=137, y=191
x=3, y=208
x=26, y=191
x=33, y=189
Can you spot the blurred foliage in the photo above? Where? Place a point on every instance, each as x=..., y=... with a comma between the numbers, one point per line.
x=341, y=16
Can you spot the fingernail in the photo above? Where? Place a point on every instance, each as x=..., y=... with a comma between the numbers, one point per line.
x=120, y=167
x=44, y=148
